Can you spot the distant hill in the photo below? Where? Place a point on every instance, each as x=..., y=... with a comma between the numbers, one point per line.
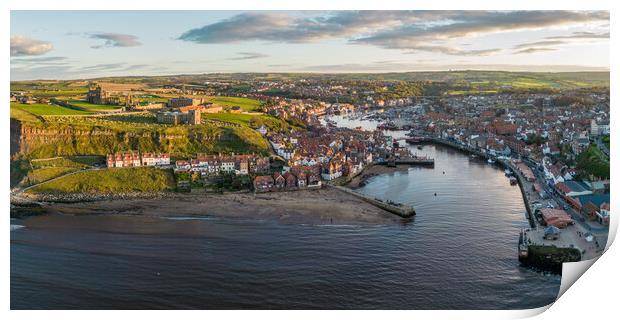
x=473, y=79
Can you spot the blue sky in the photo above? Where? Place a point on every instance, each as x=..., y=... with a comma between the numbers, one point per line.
x=83, y=44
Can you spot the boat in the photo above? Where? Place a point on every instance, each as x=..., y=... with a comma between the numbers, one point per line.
x=419, y=147
x=491, y=161
x=508, y=172
x=513, y=181
x=412, y=140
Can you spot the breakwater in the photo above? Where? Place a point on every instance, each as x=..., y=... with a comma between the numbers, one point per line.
x=419, y=162
x=398, y=209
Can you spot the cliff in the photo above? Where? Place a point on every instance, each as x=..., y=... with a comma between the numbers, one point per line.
x=42, y=140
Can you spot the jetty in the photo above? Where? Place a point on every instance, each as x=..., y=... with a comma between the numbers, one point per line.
x=408, y=161
x=398, y=209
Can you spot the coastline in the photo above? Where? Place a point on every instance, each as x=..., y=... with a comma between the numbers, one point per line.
x=319, y=206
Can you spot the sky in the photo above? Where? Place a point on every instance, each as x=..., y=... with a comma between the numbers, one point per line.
x=88, y=44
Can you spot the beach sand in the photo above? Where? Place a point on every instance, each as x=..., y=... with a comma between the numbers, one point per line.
x=323, y=206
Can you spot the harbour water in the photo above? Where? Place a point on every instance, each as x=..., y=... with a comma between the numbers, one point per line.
x=458, y=253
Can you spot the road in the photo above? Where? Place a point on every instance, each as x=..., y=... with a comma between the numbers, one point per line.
x=558, y=202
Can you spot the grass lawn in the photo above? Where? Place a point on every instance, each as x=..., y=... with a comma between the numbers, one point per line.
x=24, y=116
x=250, y=120
x=46, y=109
x=111, y=180
x=67, y=162
x=93, y=107
x=245, y=103
x=238, y=118
x=40, y=175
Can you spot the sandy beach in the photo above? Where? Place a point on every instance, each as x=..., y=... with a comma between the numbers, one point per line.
x=322, y=206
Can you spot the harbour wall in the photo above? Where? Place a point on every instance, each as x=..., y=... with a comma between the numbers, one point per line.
x=401, y=210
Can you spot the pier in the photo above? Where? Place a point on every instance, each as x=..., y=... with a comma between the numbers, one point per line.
x=398, y=209
x=412, y=161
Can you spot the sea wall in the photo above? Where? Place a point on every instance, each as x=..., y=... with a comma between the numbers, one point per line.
x=397, y=209
x=550, y=258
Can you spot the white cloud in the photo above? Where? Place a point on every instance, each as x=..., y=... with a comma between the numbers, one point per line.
x=24, y=46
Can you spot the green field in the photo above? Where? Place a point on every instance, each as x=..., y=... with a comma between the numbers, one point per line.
x=79, y=162
x=23, y=116
x=40, y=175
x=93, y=107
x=50, y=88
x=249, y=120
x=111, y=180
x=245, y=104
x=46, y=109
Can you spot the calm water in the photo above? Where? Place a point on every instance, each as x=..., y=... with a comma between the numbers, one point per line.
x=458, y=253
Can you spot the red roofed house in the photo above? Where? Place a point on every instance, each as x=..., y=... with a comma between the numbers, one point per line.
x=263, y=183
x=302, y=181
x=556, y=217
x=290, y=180
x=278, y=182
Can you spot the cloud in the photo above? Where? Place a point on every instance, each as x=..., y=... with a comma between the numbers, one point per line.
x=413, y=67
x=38, y=60
x=534, y=50
x=539, y=44
x=115, y=40
x=283, y=27
x=24, y=46
x=476, y=23
x=248, y=56
x=406, y=30
x=455, y=51
x=103, y=66
x=582, y=35
x=553, y=41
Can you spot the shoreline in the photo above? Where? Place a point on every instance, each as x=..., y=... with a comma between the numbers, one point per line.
x=320, y=206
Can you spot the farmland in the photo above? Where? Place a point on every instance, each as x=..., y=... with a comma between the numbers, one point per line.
x=50, y=88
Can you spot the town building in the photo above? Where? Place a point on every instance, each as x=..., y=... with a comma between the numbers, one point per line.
x=135, y=159
x=123, y=160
